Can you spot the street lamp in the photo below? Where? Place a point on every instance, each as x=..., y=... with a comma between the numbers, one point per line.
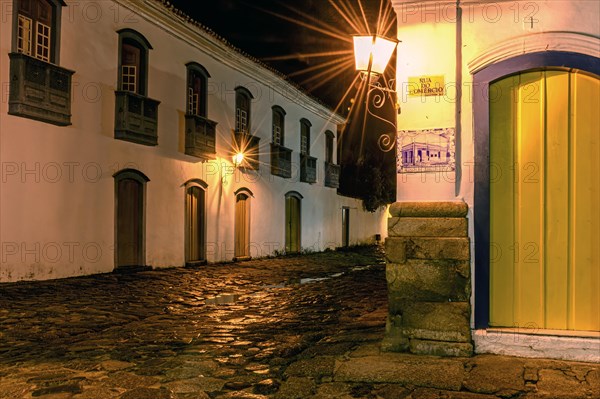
x=238, y=158
x=372, y=53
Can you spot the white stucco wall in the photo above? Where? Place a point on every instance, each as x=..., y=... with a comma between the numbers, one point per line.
x=57, y=194
x=490, y=32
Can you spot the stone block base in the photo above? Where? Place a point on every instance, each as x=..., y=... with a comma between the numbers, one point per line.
x=441, y=348
x=429, y=279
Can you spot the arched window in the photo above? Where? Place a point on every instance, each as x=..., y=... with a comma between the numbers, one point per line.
x=281, y=157
x=308, y=164
x=305, y=126
x=39, y=88
x=243, y=98
x=278, y=125
x=136, y=115
x=332, y=171
x=329, y=137
x=37, y=28
x=245, y=142
x=133, y=62
x=197, y=81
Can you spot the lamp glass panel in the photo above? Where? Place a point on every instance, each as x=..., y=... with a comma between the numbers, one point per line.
x=382, y=52
x=363, y=46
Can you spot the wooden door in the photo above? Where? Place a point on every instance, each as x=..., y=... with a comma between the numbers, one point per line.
x=345, y=227
x=130, y=232
x=242, y=226
x=544, y=201
x=292, y=224
x=195, y=222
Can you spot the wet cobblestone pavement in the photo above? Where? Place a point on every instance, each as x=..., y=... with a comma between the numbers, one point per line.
x=285, y=328
x=214, y=331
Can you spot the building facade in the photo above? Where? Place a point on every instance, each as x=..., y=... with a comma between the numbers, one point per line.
x=518, y=83
x=132, y=136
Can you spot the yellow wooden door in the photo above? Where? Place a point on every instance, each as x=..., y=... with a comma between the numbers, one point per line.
x=545, y=201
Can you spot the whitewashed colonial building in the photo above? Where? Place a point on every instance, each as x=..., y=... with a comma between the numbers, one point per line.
x=518, y=85
x=119, y=122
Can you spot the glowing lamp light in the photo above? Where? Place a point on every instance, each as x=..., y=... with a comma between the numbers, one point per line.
x=238, y=159
x=372, y=53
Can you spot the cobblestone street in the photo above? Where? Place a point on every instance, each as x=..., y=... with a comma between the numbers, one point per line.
x=288, y=328
x=215, y=328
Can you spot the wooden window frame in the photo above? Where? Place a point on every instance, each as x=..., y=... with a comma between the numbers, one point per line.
x=42, y=40
x=329, y=144
x=305, y=126
x=243, y=106
x=136, y=39
x=278, y=130
x=196, y=100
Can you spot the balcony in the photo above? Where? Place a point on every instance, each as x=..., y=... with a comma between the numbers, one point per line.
x=39, y=90
x=200, y=137
x=281, y=161
x=136, y=118
x=332, y=175
x=308, y=169
x=248, y=144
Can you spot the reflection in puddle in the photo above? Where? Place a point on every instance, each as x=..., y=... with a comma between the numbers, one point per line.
x=358, y=268
x=313, y=280
x=223, y=299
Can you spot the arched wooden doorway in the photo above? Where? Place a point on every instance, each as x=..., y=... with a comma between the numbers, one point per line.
x=195, y=222
x=130, y=192
x=242, y=224
x=536, y=193
x=293, y=222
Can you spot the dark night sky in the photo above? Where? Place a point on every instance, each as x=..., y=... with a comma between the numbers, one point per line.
x=249, y=27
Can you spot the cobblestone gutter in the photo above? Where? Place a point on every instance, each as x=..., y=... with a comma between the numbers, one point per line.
x=428, y=278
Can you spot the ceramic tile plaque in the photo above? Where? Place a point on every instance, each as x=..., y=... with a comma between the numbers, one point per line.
x=430, y=150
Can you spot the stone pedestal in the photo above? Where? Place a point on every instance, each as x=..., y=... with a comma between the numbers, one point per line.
x=429, y=282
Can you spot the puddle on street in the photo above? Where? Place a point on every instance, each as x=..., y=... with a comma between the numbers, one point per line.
x=225, y=299
x=308, y=280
